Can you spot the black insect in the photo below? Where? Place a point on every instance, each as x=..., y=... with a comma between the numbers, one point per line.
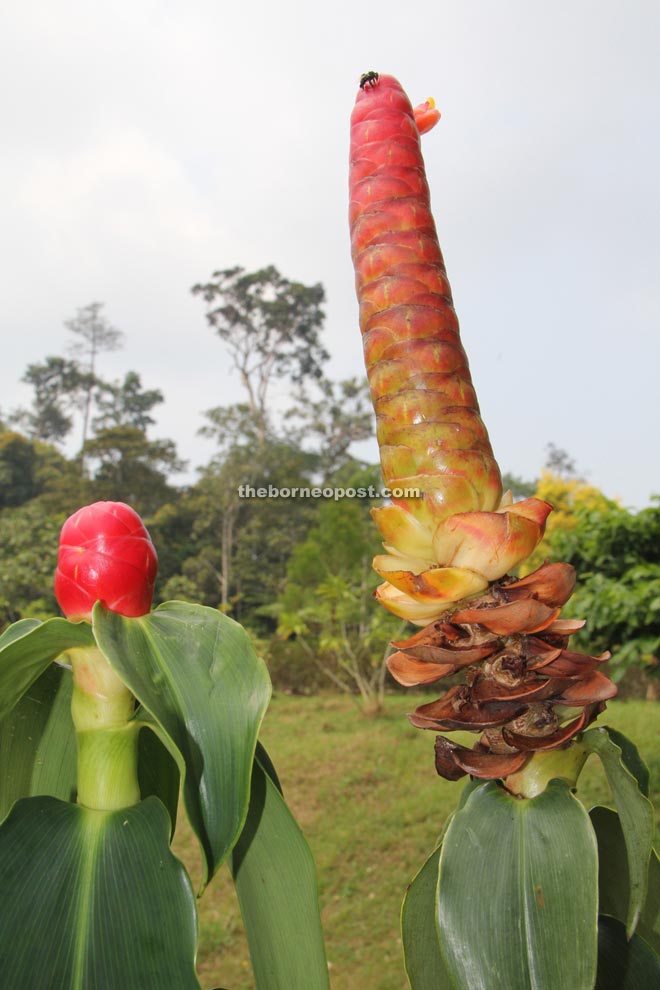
x=368, y=79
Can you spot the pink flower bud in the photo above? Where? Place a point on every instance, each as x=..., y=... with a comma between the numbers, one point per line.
x=105, y=555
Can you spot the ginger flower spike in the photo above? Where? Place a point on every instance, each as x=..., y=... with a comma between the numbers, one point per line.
x=457, y=536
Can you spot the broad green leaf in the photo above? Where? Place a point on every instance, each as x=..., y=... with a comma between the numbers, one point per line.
x=26, y=650
x=196, y=673
x=38, y=743
x=624, y=964
x=629, y=756
x=267, y=765
x=93, y=900
x=628, y=779
x=422, y=957
x=471, y=784
x=16, y=630
x=425, y=967
x=518, y=892
x=275, y=879
x=158, y=774
x=614, y=880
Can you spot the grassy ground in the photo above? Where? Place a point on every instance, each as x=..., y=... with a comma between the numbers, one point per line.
x=366, y=794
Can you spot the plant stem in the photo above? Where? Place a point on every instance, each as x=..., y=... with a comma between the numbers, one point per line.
x=107, y=768
x=532, y=780
x=102, y=709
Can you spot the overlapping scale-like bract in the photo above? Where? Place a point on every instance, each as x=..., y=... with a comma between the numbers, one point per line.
x=431, y=436
x=449, y=532
x=525, y=690
x=416, y=364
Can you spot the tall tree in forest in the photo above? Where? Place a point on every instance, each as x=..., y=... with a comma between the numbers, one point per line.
x=569, y=496
x=94, y=335
x=17, y=461
x=239, y=546
x=126, y=403
x=313, y=443
x=325, y=603
x=340, y=416
x=58, y=385
x=131, y=467
x=271, y=327
x=242, y=442
x=558, y=461
x=27, y=564
x=231, y=426
x=616, y=554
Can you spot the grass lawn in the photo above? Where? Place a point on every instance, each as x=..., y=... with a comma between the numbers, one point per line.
x=367, y=796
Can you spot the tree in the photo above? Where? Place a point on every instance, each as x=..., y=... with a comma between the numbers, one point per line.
x=29, y=536
x=95, y=335
x=171, y=528
x=126, y=404
x=232, y=426
x=32, y=469
x=210, y=569
x=568, y=496
x=17, y=465
x=58, y=384
x=63, y=385
x=269, y=530
x=341, y=416
x=316, y=447
x=131, y=468
x=616, y=554
x=327, y=602
x=271, y=327
x=242, y=543
x=519, y=487
x=559, y=461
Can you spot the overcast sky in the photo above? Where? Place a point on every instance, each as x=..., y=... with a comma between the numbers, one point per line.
x=147, y=144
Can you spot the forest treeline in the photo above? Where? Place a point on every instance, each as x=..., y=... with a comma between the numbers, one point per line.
x=295, y=571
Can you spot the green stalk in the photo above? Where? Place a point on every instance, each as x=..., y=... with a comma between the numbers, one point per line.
x=102, y=710
x=544, y=766
x=107, y=768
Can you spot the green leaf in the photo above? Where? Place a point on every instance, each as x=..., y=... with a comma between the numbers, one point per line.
x=629, y=756
x=267, y=765
x=628, y=779
x=518, y=885
x=471, y=785
x=16, y=630
x=421, y=950
x=196, y=673
x=275, y=879
x=425, y=967
x=38, y=743
x=614, y=880
x=27, y=649
x=158, y=774
x=624, y=964
x=93, y=900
